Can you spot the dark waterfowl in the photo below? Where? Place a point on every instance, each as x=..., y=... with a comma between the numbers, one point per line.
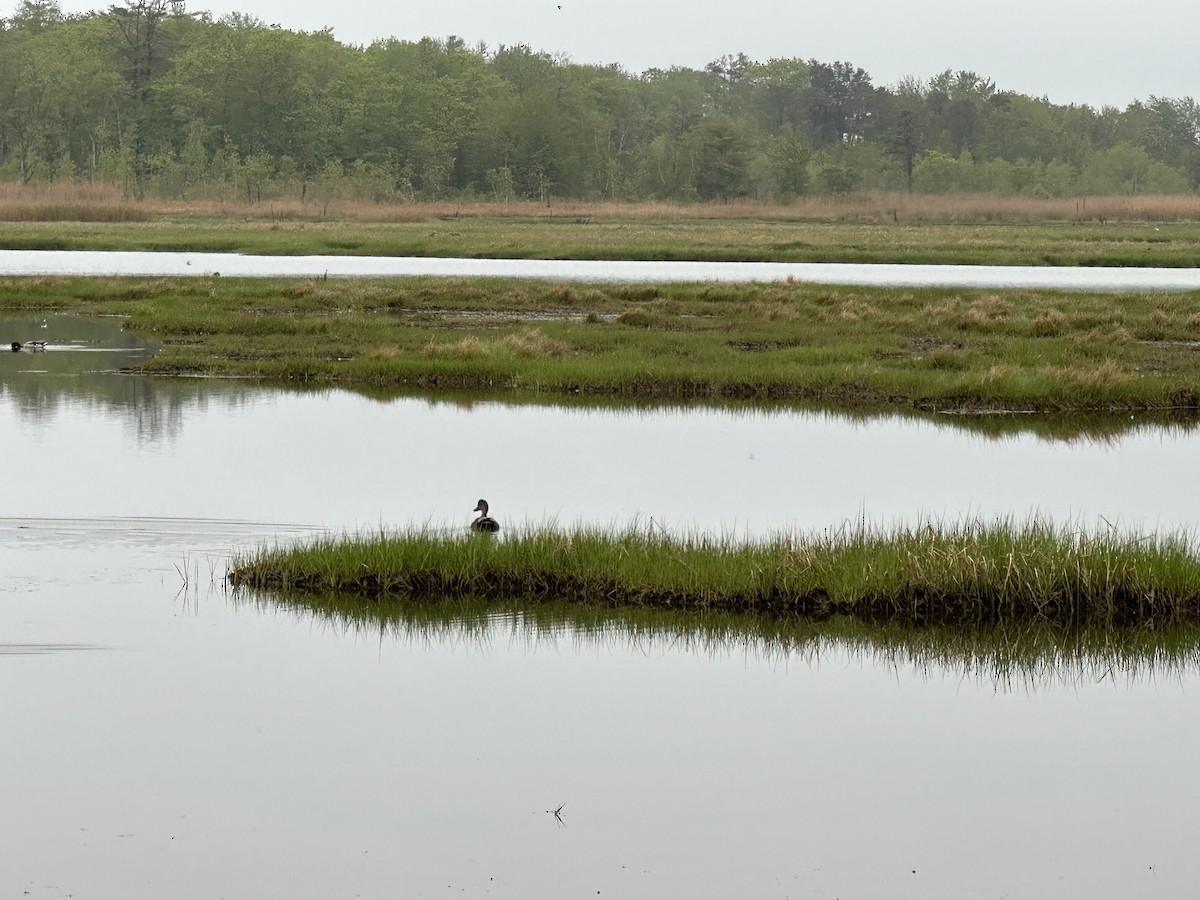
x=28, y=345
x=484, y=522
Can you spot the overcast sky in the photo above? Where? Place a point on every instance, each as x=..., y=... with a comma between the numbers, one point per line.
x=1072, y=51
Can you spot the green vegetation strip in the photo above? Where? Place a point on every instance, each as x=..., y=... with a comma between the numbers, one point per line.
x=932, y=349
x=975, y=573
x=618, y=236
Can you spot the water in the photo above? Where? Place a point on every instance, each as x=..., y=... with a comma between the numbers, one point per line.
x=161, y=738
x=1079, y=278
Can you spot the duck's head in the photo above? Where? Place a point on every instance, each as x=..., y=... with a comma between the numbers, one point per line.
x=16, y=345
x=481, y=507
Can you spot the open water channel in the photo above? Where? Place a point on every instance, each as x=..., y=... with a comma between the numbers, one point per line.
x=160, y=737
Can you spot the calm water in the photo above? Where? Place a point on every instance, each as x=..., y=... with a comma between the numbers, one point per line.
x=1080, y=278
x=160, y=738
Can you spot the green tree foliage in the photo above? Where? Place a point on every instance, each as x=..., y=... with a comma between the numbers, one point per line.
x=721, y=158
x=162, y=102
x=904, y=140
x=36, y=16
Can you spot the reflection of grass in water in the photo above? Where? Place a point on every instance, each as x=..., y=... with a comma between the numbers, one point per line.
x=1006, y=657
x=1090, y=428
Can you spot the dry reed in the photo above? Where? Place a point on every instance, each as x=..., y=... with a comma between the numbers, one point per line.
x=91, y=201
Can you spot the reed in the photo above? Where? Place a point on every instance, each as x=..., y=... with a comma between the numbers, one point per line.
x=60, y=202
x=971, y=573
x=868, y=207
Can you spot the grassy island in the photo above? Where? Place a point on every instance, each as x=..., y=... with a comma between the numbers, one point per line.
x=969, y=574
x=928, y=349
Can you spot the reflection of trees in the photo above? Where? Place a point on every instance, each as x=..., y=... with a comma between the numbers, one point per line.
x=153, y=410
x=82, y=370
x=1024, y=658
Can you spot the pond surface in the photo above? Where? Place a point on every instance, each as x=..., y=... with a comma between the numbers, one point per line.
x=1075, y=278
x=162, y=738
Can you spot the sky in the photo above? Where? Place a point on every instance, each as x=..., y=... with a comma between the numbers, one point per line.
x=1098, y=52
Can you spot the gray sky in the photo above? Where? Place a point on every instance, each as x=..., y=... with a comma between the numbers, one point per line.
x=1073, y=51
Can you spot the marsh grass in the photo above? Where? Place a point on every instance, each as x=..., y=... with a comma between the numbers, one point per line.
x=892, y=228
x=929, y=349
x=974, y=573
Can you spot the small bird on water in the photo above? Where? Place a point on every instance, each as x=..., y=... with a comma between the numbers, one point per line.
x=484, y=522
x=28, y=345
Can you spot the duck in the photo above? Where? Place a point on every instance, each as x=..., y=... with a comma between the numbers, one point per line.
x=28, y=345
x=484, y=522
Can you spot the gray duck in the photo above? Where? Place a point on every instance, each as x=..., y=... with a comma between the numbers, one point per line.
x=484, y=522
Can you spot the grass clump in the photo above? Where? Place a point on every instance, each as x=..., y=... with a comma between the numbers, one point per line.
x=466, y=349
x=532, y=343
x=930, y=574
x=1049, y=323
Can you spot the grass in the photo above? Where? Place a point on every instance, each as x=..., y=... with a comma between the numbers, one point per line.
x=932, y=349
x=931, y=574
x=880, y=228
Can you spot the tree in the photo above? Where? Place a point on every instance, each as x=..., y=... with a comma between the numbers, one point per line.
x=778, y=101
x=840, y=101
x=142, y=46
x=721, y=159
x=144, y=49
x=1172, y=135
x=787, y=164
x=904, y=141
x=727, y=83
x=1126, y=169
x=36, y=16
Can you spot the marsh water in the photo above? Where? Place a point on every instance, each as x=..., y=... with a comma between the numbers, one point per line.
x=162, y=737
x=1066, y=278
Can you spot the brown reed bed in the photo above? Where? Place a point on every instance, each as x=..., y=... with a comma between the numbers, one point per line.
x=90, y=202
x=99, y=202
x=867, y=208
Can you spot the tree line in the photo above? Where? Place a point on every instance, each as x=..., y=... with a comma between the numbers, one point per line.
x=171, y=104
